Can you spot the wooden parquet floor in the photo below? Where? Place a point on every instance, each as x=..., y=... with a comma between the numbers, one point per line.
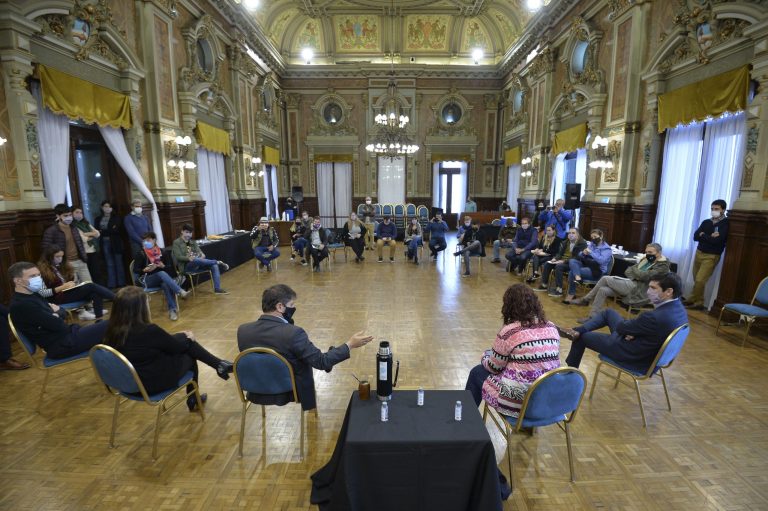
x=710, y=452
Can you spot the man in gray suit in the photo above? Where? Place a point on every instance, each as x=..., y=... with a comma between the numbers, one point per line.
x=275, y=330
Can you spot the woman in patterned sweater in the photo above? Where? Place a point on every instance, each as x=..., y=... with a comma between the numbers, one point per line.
x=526, y=347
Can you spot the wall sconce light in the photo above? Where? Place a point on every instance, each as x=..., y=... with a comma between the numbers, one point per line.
x=605, y=153
x=3, y=141
x=477, y=55
x=307, y=54
x=253, y=170
x=176, y=153
x=526, y=171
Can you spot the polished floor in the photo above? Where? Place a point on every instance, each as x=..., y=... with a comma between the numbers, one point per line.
x=710, y=452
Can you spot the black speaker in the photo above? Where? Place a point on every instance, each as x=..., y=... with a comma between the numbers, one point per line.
x=572, y=196
x=297, y=194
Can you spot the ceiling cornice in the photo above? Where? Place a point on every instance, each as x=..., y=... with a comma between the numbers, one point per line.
x=366, y=70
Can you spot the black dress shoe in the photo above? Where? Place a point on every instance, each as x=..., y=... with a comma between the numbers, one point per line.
x=568, y=333
x=224, y=368
x=192, y=402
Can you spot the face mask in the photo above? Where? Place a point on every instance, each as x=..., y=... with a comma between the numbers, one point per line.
x=186, y=236
x=524, y=226
x=572, y=237
x=288, y=314
x=654, y=296
x=550, y=234
x=35, y=284
x=137, y=211
x=367, y=202
x=78, y=217
x=148, y=245
x=57, y=261
x=650, y=258
x=353, y=218
x=305, y=217
x=298, y=224
x=467, y=223
x=66, y=219
x=715, y=213
x=315, y=226
x=106, y=210
x=596, y=241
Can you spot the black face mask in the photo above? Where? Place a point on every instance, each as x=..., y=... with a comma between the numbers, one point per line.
x=288, y=314
x=650, y=258
x=596, y=241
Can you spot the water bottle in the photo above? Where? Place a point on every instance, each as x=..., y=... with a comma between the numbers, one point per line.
x=384, y=372
x=384, y=411
x=420, y=397
x=457, y=411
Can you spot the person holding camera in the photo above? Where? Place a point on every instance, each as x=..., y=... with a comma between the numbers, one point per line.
x=437, y=229
x=557, y=217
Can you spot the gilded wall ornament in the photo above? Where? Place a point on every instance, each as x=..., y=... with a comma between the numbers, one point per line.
x=543, y=63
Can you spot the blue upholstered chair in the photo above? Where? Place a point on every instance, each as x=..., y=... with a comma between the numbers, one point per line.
x=377, y=211
x=423, y=213
x=150, y=290
x=554, y=398
x=334, y=246
x=410, y=210
x=748, y=311
x=360, y=210
x=46, y=364
x=590, y=283
x=72, y=307
x=264, y=371
x=387, y=210
x=667, y=354
x=121, y=380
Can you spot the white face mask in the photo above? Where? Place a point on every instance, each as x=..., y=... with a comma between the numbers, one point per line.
x=367, y=202
x=137, y=210
x=716, y=213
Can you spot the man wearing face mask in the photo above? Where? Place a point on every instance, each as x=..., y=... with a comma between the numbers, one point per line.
x=526, y=239
x=631, y=289
x=368, y=213
x=42, y=322
x=473, y=243
x=317, y=243
x=299, y=244
x=191, y=259
x=634, y=342
x=557, y=217
x=65, y=235
x=711, y=236
x=136, y=224
x=386, y=231
x=275, y=329
x=264, y=241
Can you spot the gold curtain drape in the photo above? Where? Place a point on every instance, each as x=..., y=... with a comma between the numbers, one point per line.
x=79, y=99
x=569, y=140
x=513, y=156
x=337, y=158
x=726, y=92
x=213, y=138
x=271, y=156
x=450, y=157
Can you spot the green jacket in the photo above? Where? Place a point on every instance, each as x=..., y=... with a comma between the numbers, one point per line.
x=641, y=274
x=182, y=250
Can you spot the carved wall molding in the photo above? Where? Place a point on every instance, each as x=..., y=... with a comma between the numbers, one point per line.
x=460, y=128
x=322, y=126
x=543, y=63
x=582, y=33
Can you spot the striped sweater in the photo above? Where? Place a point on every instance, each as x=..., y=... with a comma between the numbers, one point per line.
x=519, y=356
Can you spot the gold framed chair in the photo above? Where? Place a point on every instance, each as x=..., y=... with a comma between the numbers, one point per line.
x=554, y=398
x=47, y=363
x=264, y=371
x=121, y=380
x=193, y=276
x=749, y=312
x=666, y=355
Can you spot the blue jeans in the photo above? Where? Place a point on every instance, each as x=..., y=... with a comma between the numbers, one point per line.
x=497, y=246
x=264, y=255
x=474, y=248
x=576, y=268
x=114, y=262
x=437, y=245
x=413, y=245
x=167, y=284
x=560, y=269
x=204, y=265
x=300, y=245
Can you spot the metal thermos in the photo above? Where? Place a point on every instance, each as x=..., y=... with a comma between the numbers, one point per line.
x=384, y=371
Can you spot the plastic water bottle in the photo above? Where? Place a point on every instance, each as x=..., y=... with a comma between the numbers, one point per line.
x=420, y=397
x=457, y=411
x=384, y=411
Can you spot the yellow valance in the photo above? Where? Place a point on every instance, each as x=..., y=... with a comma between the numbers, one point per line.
x=79, y=99
x=213, y=138
x=712, y=97
x=513, y=156
x=569, y=140
x=337, y=158
x=450, y=157
x=271, y=155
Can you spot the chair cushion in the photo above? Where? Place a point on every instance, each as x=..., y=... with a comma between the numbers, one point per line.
x=53, y=362
x=534, y=423
x=72, y=305
x=630, y=370
x=746, y=309
x=186, y=378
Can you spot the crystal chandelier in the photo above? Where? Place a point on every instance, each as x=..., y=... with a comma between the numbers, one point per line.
x=390, y=137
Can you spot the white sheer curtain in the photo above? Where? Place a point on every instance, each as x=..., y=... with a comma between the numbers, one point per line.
x=677, y=212
x=213, y=189
x=53, y=138
x=115, y=141
x=722, y=165
x=581, y=177
x=270, y=191
x=325, y=201
x=342, y=191
x=391, y=180
x=275, y=194
x=436, y=184
x=558, y=173
x=513, y=186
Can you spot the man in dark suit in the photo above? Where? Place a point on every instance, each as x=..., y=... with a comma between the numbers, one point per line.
x=275, y=329
x=635, y=342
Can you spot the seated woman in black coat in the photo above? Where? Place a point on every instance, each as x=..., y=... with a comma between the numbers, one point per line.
x=159, y=358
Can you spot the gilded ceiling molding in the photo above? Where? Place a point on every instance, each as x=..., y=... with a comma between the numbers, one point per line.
x=543, y=63
x=518, y=112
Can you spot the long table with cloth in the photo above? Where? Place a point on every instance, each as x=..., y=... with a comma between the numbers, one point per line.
x=418, y=460
x=234, y=248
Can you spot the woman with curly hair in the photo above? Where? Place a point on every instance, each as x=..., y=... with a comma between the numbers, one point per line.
x=526, y=347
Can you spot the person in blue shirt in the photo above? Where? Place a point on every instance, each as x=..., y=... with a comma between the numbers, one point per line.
x=526, y=238
x=470, y=206
x=591, y=263
x=557, y=217
x=386, y=232
x=437, y=229
x=136, y=224
x=464, y=227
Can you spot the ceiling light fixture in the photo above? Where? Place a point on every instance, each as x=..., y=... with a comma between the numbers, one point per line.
x=251, y=4
x=534, y=5
x=390, y=137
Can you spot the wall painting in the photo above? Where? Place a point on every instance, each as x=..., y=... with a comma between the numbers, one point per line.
x=164, y=70
x=426, y=33
x=357, y=33
x=310, y=35
x=620, y=68
x=475, y=36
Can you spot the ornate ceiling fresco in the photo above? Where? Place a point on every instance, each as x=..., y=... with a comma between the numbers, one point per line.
x=440, y=32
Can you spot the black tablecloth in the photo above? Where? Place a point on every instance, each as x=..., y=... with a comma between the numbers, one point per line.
x=420, y=459
x=234, y=251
